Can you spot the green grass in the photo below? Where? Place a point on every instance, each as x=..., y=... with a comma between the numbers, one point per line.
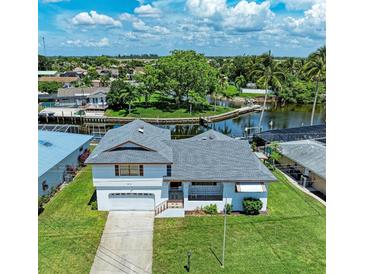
x=154, y=112
x=231, y=91
x=289, y=239
x=69, y=231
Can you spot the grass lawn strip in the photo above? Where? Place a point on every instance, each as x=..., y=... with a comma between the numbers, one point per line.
x=289, y=239
x=69, y=231
x=153, y=112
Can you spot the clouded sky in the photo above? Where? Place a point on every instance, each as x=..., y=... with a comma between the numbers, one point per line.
x=212, y=27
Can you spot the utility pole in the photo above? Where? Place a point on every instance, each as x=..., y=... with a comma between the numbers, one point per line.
x=44, y=46
x=224, y=232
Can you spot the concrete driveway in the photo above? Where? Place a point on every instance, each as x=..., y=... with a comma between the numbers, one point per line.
x=126, y=244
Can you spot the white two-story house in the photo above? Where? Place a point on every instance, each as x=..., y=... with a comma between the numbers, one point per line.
x=138, y=167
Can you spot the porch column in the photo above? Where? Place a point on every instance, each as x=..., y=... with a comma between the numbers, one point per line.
x=185, y=187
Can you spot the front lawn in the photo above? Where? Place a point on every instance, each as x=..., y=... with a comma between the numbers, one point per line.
x=154, y=112
x=69, y=231
x=291, y=238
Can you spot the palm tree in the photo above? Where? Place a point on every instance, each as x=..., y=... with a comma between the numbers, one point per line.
x=240, y=81
x=129, y=95
x=270, y=75
x=315, y=69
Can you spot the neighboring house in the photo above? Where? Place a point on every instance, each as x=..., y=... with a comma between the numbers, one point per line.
x=305, y=160
x=70, y=74
x=58, y=156
x=80, y=71
x=138, y=167
x=46, y=73
x=91, y=97
x=317, y=132
x=255, y=91
x=96, y=83
x=66, y=81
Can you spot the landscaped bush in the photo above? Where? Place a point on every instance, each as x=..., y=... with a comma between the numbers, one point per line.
x=94, y=205
x=251, y=206
x=228, y=208
x=210, y=209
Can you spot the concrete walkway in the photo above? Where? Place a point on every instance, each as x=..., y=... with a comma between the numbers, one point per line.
x=126, y=244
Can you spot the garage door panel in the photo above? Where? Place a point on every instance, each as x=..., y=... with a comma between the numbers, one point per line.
x=131, y=201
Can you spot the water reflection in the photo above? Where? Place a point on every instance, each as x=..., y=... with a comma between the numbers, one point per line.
x=274, y=118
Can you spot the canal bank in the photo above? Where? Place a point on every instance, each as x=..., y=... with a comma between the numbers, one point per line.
x=84, y=119
x=290, y=116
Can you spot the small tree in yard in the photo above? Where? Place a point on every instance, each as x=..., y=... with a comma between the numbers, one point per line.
x=275, y=154
x=251, y=206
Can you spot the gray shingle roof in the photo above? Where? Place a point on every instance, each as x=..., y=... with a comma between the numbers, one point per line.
x=86, y=91
x=198, y=158
x=210, y=135
x=152, y=138
x=226, y=160
x=307, y=153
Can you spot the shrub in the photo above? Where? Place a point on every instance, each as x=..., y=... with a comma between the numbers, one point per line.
x=94, y=205
x=251, y=206
x=210, y=209
x=228, y=208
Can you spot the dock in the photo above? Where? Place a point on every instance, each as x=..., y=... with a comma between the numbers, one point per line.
x=83, y=119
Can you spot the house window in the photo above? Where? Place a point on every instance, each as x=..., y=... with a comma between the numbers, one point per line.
x=168, y=170
x=44, y=185
x=204, y=183
x=128, y=170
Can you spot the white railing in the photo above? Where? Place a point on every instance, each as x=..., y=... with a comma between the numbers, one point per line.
x=161, y=207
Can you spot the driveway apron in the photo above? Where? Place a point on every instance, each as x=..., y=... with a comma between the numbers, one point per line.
x=126, y=244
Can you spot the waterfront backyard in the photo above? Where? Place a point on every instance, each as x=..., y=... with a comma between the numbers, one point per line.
x=291, y=238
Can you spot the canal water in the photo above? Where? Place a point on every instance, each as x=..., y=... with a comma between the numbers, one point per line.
x=245, y=125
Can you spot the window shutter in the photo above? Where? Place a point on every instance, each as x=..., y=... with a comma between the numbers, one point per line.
x=116, y=167
x=140, y=170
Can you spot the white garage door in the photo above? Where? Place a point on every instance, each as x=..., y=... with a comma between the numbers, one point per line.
x=131, y=201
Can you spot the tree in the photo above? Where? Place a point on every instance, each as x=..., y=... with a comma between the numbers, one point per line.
x=275, y=154
x=44, y=63
x=240, y=81
x=315, y=69
x=92, y=73
x=122, y=94
x=49, y=87
x=149, y=82
x=270, y=75
x=105, y=80
x=185, y=71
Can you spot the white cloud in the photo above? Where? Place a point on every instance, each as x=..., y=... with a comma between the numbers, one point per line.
x=206, y=8
x=147, y=11
x=94, y=18
x=103, y=42
x=244, y=16
x=313, y=23
x=298, y=4
x=141, y=26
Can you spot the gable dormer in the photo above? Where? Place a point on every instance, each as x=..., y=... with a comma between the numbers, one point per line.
x=129, y=145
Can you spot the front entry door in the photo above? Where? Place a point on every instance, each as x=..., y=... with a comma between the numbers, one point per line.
x=175, y=192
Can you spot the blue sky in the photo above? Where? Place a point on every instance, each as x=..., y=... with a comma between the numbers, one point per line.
x=212, y=27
